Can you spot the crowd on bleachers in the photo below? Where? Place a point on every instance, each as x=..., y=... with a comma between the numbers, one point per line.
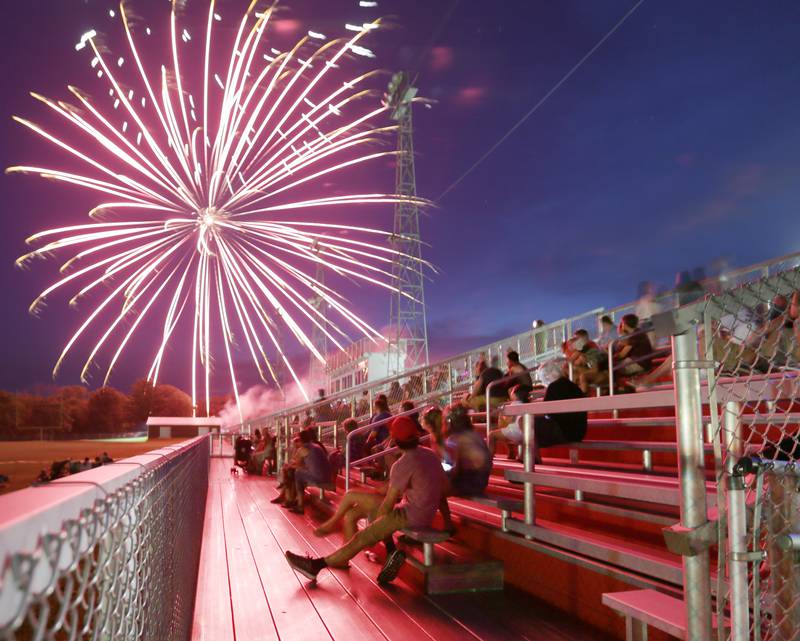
x=625, y=356
x=66, y=467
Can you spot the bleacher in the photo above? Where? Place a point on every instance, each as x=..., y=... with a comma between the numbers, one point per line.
x=582, y=531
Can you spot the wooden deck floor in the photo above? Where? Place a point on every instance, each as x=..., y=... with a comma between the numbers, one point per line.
x=247, y=591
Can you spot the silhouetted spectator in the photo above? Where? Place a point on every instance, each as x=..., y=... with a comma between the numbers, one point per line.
x=379, y=433
x=476, y=399
x=564, y=427
x=522, y=376
x=608, y=332
x=633, y=351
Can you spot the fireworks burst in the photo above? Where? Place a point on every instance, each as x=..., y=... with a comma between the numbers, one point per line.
x=204, y=193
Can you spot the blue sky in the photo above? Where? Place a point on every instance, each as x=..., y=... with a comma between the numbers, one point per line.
x=674, y=145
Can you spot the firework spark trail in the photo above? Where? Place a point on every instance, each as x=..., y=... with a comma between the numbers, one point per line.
x=196, y=192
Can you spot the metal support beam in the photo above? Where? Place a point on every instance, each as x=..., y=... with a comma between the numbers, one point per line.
x=737, y=525
x=694, y=516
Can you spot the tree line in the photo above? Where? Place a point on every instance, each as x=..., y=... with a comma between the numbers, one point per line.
x=106, y=410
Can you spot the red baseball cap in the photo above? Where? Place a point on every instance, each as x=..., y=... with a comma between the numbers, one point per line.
x=403, y=429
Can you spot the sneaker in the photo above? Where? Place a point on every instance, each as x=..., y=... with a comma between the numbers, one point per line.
x=305, y=565
x=277, y=499
x=392, y=567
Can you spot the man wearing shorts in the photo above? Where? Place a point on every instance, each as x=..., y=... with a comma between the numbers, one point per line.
x=416, y=482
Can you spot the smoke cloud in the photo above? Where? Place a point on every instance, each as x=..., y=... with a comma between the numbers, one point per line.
x=258, y=401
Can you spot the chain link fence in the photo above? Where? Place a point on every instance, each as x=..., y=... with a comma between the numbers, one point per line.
x=121, y=568
x=750, y=333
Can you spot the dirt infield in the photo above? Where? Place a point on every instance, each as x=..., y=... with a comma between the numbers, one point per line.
x=21, y=461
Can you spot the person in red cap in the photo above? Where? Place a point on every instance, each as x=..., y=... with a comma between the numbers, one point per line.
x=416, y=482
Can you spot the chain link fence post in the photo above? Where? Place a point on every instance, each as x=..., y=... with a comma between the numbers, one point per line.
x=691, y=471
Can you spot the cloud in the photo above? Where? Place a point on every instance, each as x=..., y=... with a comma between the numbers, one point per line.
x=470, y=96
x=733, y=192
x=441, y=58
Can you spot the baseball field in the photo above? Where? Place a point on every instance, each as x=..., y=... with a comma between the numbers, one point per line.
x=21, y=461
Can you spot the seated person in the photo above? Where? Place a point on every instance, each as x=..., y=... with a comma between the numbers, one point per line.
x=264, y=454
x=632, y=354
x=357, y=450
x=407, y=406
x=586, y=358
x=416, y=481
x=432, y=422
x=466, y=454
x=380, y=433
x=522, y=376
x=633, y=351
x=362, y=409
x=395, y=394
x=311, y=466
x=323, y=412
x=511, y=432
x=476, y=399
x=608, y=333
x=565, y=427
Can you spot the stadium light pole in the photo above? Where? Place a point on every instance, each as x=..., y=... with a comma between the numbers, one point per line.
x=407, y=319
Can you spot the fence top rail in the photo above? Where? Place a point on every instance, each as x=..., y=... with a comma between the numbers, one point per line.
x=27, y=514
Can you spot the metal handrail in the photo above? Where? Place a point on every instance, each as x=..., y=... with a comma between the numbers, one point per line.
x=382, y=453
x=364, y=429
x=353, y=391
x=505, y=379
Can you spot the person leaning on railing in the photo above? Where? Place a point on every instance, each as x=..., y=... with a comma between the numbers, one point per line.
x=416, y=481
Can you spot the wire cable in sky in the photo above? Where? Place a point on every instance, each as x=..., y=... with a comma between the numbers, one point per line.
x=544, y=99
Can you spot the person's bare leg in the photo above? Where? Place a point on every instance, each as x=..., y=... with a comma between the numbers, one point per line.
x=349, y=500
x=494, y=436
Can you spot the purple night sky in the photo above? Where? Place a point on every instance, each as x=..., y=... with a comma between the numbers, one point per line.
x=674, y=145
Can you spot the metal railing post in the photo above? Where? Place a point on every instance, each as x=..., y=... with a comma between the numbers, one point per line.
x=693, y=510
x=346, y=463
x=528, y=458
x=450, y=383
x=737, y=525
x=611, y=368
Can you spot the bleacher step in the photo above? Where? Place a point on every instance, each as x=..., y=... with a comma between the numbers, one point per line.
x=456, y=570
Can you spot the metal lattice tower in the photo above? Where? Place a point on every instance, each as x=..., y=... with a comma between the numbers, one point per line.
x=316, y=370
x=408, y=325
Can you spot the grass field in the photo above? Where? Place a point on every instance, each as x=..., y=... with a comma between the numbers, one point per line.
x=21, y=461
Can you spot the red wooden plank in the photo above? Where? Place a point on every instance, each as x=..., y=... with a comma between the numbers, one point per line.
x=344, y=619
x=431, y=621
x=515, y=615
x=212, y=607
x=295, y=617
x=252, y=617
